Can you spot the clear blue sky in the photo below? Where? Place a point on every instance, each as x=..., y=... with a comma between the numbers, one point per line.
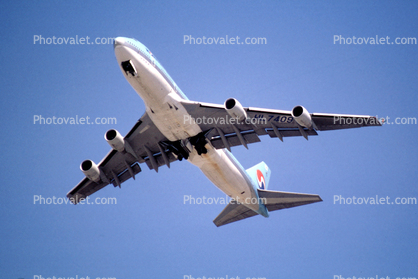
x=151, y=233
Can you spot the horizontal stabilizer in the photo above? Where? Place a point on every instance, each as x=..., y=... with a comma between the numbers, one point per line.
x=280, y=200
x=233, y=212
x=273, y=200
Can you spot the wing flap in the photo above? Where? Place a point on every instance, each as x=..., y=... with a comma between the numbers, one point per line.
x=233, y=140
x=160, y=160
x=290, y=133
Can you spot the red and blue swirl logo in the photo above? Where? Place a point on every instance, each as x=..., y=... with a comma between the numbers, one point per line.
x=260, y=180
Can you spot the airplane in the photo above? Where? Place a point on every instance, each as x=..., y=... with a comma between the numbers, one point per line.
x=174, y=128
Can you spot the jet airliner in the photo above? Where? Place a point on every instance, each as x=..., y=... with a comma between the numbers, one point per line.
x=169, y=131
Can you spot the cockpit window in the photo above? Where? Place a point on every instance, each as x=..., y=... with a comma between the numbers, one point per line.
x=149, y=52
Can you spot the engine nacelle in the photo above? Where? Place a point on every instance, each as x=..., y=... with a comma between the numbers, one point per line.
x=302, y=117
x=235, y=109
x=115, y=140
x=90, y=170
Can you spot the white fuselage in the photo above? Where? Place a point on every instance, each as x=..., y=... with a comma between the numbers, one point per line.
x=159, y=97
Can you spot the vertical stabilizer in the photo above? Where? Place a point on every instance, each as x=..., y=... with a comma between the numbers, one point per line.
x=260, y=175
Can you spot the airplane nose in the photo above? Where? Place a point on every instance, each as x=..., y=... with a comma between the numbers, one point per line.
x=118, y=41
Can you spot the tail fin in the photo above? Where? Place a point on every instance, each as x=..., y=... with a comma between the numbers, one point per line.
x=260, y=175
x=272, y=200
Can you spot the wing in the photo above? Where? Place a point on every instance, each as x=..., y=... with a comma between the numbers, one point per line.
x=224, y=131
x=143, y=144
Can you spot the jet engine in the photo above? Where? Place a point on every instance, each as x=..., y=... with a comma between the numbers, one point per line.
x=90, y=170
x=115, y=140
x=235, y=109
x=302, y=117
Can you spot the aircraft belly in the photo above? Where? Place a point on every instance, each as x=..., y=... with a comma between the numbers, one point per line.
x=165, y=109
x=225, y=175
x=169, y=116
